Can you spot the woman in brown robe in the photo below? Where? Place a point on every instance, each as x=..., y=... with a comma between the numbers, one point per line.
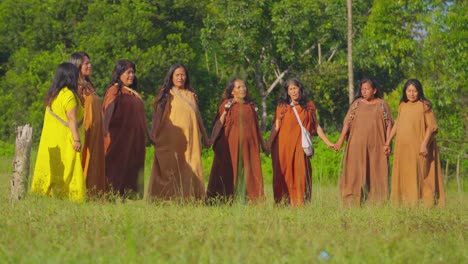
x=236, y=172
x=416, y=174
x=292, y=171
x=177, y=128
x=367, y=126
x=93, y=161
x=125, y=132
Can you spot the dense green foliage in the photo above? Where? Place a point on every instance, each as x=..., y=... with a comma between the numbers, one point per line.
x=263, y=42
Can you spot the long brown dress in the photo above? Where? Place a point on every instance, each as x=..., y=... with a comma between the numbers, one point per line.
x=292, y=171
x=365, y=166
x=93, y=160
x=177, y=168
x=416, y=178
x=236, y=171
x=124, y=142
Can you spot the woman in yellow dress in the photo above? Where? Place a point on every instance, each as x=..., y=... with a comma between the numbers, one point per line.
x=58, y=171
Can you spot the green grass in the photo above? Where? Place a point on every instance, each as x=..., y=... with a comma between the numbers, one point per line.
x=45, y=230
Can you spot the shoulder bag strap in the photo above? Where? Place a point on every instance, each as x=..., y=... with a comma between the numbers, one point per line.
x=297, y=115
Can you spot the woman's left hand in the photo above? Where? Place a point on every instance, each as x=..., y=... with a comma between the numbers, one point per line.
x=77, y=145
x=423, y=150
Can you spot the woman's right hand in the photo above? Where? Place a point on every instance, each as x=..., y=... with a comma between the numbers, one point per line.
x=338, y=145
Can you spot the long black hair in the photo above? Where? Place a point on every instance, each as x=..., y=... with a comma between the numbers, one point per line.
x=417, y=84
x=120, y=67
x=227, y=94
x=286, y=99
x=77, y=58
x=163, y=92
x=66, y=75
x=373, y=83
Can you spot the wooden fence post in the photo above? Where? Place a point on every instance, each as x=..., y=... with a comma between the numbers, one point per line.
x=21, y=162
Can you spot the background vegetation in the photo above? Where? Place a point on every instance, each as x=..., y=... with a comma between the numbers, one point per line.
x=264, y=42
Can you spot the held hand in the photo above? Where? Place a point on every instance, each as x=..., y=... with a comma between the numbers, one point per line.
x=266, y=148
x=331, y=145
x=207, y=142
x=338, y=145
x=387, y=150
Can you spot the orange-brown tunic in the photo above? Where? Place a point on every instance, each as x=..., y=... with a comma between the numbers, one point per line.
x=236, y=171
x=292, y=172
x=414, y=177
x=365, y=165
x=93, y=161
x=124, y=140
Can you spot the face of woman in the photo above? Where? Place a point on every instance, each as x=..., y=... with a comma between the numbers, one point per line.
x=294, y=92
x=412, y=93
x=239, y=92
x=127, y=77
x=367, y=91
x=178, y=78
x=86, y=67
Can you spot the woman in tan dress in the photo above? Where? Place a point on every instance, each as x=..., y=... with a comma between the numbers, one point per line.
x=125, y=132
x=93, y=161
x=236, y=172
x=177, y=129
x=292, y=171
x=365, y=166
x=416, y=174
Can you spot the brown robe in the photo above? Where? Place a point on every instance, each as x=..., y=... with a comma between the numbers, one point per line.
x=292, y=171
x=365, y=166
x=177, y=168
x=93, y=160
x=236, y=171
x=124, y=140
x=414, y=177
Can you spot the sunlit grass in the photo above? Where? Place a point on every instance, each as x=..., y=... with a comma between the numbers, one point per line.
x=45, y=230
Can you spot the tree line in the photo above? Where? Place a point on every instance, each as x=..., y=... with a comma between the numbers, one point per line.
x=262, y=41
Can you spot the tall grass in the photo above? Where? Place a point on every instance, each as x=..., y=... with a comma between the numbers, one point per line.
x=45, y=230
x=40, y=229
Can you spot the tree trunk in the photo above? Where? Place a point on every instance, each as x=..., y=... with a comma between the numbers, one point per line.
x=261, y=87
x=21, y=162
x=350, y=51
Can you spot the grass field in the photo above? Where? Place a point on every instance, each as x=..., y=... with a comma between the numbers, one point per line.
x=45, y=230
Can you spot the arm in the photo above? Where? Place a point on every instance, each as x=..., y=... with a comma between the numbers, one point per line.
x=107, y=116
x=431, y=130
x=263, y=145
x=217, y=128
x=323, y=137
x=73, y=125
x=156, y=121
x=206, y=140
x=427, y=138
x=390, y=136
x=274, y=132
x=343, y=134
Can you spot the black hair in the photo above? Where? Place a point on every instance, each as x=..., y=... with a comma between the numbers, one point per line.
x=417, y=84
x=227, y=94
x=163, y=92
x=66, y=75
x=120, y=67
x=373, y=83
x=286, y=99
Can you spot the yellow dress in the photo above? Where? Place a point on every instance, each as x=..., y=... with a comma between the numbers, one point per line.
x=58, y=171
